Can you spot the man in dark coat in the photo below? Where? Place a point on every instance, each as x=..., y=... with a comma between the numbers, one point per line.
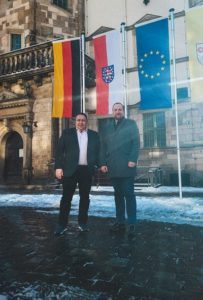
x=120, y=145
x=76, y=158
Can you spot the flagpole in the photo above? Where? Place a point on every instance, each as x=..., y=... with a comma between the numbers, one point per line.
x=175, y=98
x=82, y=41
x=124, y=52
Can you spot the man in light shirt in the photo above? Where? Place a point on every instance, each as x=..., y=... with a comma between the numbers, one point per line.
x=76, y=158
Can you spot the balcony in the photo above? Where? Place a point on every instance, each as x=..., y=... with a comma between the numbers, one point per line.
x=34, y=61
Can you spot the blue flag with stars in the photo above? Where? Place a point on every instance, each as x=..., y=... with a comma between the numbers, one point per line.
x=154, y=64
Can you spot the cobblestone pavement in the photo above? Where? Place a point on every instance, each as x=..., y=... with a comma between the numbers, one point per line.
x=162, y=261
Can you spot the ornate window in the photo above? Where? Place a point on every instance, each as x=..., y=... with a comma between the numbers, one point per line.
x=61, y=3
x=154, y=130
x=15, y=41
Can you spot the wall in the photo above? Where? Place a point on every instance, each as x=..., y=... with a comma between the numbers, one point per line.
x=47, y=22
x=13, y=115
x=41, y=18
x=190, y=114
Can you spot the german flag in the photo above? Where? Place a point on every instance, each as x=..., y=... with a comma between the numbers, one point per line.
x=67, y=76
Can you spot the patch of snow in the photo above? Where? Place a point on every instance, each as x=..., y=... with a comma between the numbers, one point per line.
x=165, y=209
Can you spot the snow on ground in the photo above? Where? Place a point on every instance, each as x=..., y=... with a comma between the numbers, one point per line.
x=153, y=190
x=165, y=208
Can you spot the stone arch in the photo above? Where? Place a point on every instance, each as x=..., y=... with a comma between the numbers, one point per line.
x=13, y=166
x=12, y=140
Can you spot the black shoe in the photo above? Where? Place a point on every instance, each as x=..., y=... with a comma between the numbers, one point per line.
x=83, y=228
x=117, y=228
x=131, y=230
x=60, y=230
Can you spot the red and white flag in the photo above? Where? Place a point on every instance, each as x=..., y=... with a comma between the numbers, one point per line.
x=109, y=78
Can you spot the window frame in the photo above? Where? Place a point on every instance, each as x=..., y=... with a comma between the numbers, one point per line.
x=13, y=43
x=182, y=94
x=63, y=5
x=154, y=130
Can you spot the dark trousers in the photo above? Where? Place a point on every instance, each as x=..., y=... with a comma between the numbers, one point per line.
x=83, y=178
x=125, y=199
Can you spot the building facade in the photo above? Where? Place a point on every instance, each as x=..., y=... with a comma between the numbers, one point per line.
x=28, y=134
x=157, y=127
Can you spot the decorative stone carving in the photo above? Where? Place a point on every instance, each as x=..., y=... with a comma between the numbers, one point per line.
x=28, y=92
x=7, y=95
x=38, y=80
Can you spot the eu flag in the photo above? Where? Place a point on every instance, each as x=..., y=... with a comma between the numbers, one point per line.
x=154, y=64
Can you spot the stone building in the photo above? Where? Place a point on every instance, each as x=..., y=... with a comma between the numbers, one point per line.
x=158, y=154
x=28, y=134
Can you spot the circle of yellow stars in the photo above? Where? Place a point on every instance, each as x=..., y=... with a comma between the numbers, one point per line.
x=160, y=69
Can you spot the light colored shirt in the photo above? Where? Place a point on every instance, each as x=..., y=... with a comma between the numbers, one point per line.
x=82, y=141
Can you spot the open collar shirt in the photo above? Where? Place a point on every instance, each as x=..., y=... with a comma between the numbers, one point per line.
x=82, y=141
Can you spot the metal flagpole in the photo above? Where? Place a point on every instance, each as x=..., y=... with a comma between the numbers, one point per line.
x=175, y=98
x=82, y=42
x=124, y=55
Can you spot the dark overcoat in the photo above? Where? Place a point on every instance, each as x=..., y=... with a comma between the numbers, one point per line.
x=67, y=154
x=119, y=145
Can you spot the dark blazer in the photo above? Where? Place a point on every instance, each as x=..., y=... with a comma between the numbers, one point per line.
x=119, y=146
x=67, y=154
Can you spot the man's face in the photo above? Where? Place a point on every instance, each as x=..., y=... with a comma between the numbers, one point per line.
x=81, y=122
x=118, y=111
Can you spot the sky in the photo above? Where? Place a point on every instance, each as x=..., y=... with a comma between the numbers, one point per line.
x=172, y=209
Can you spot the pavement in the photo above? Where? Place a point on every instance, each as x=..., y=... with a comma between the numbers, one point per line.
x=140, y=190
x=161, y=261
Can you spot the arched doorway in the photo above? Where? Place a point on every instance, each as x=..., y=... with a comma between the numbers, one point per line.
x=13, y=158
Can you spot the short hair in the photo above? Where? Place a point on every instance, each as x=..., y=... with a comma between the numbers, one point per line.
x=81, y=113
x=119, y=104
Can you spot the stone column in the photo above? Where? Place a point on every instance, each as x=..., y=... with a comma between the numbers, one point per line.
x=27, y=167
x=27, y=163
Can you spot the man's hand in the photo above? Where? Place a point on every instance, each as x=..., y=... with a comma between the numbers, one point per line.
x=104, y=169
x=59, y=173
x=131, y=164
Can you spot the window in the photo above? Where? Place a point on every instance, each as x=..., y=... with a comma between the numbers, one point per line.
x=182, y=94
x=193, y=3
x=61, y=3
x=15, y=41
x=154, y=130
